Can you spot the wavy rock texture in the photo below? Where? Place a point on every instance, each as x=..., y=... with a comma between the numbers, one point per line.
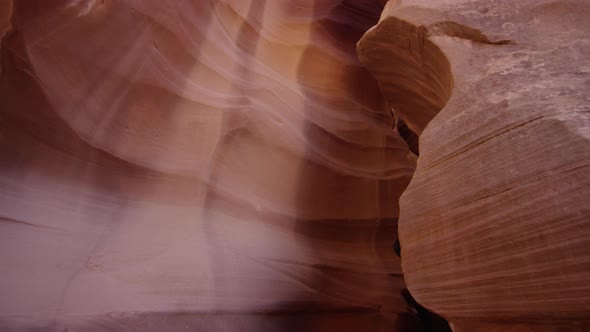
x=200, y=165
x=494, y=226
x=230, y=165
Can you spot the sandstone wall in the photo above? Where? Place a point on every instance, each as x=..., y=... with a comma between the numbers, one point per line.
x=218, y=165
x=495, y=224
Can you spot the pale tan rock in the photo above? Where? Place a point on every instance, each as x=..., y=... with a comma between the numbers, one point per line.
x=495, y=224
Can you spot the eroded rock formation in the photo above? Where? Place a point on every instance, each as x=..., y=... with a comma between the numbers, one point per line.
x=236, y=165
x=495, y=225
x=208, y=165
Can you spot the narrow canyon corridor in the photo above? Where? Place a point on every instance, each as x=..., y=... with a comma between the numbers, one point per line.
x=247, y=165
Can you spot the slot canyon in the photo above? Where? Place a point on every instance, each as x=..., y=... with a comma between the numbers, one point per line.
x=295, y=165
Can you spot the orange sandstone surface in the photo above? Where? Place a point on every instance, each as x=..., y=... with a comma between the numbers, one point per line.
x=245, y=165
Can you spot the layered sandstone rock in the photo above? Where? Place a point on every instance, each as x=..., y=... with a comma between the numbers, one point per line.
x=201, y=165
x=494, y=226
x=229, y=165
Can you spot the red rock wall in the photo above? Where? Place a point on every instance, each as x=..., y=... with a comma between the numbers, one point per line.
x=494, y=227
x=208, y=165
x=230, y=165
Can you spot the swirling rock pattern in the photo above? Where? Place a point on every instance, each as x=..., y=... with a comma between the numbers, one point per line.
x=202, y=165
x=225, y=165
x=495, y=225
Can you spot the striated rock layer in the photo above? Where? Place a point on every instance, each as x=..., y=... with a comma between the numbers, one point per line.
x=201, y=165
x=495, y=225
x=234, y=165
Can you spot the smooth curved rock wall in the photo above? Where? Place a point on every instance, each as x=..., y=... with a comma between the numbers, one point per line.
x=208, y=165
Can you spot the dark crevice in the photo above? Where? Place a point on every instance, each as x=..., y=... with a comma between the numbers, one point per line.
x=406, y=133
x=415, y=78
